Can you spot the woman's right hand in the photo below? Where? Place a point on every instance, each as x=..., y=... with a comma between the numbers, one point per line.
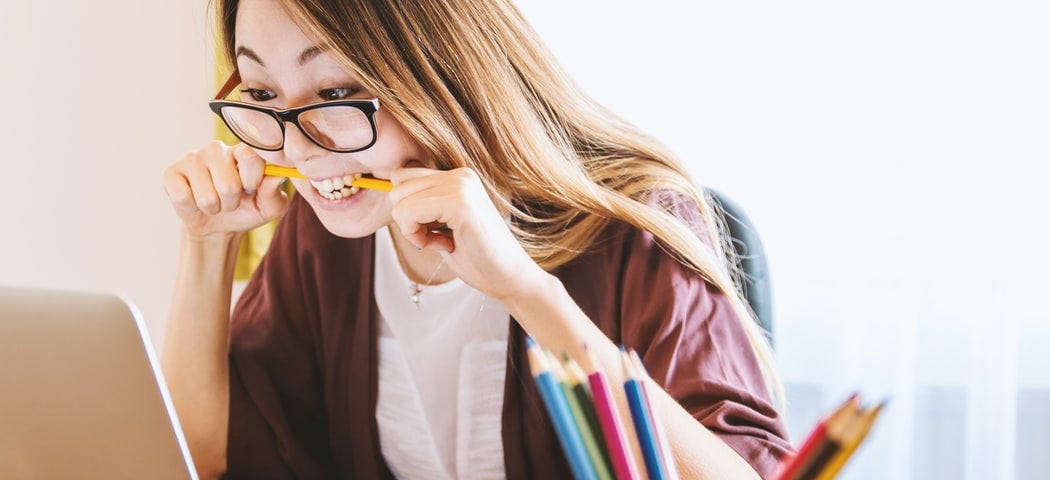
x=220, y=190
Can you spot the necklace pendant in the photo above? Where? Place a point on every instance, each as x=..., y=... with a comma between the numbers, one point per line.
x=415, y=289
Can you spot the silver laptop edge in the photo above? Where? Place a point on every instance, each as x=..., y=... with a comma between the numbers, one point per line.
x=154, y=363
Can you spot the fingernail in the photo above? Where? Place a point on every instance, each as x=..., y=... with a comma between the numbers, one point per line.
x=418, y=248
x=249, y=191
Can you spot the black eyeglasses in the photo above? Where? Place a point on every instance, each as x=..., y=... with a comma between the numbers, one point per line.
x=342, y=126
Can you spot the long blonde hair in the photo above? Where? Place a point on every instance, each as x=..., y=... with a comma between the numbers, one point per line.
x=472, y=83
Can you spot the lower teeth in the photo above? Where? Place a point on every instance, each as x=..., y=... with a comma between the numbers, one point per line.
x=340, y=194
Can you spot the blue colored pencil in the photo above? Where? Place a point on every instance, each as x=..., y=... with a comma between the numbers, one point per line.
x=643, y=422
x=661, y=436
x=558, y=409
x=582, y=410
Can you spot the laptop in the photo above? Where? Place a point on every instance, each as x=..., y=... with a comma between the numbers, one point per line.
x=81, y=392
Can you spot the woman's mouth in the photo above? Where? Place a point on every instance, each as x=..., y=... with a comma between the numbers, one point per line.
x=337, y=188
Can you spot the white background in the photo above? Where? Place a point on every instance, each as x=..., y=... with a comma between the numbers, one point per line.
x=892, y=155
x=98, y=97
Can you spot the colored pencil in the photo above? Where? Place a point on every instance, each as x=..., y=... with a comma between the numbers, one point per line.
x=558, y=409
x=369, y=183
x=589, y=422
x=791, y=467
x=607, y=411
x=831, y=444
x=854, y=435
x=643, y=422
x=661, y=436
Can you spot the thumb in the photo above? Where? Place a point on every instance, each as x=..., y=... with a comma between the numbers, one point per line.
x=270, y=199
x=249, y=166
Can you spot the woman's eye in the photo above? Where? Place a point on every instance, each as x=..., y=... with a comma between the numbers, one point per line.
x=329, y=94
x=259, y=95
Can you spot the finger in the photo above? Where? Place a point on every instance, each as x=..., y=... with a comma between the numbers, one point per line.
x=203, y=189
x=418, y=216
x=404, y=175
x=250, y=166
x=407, y=186
x=271, y=199
x=439, y=240
x=178, y=189
x=227, y=180
x=413, y=232
x=424, y=237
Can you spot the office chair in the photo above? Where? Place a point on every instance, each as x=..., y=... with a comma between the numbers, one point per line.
x=751, y=257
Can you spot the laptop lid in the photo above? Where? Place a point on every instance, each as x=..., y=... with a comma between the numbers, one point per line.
x=81, y=391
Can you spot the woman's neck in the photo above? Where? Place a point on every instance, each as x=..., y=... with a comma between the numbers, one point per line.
x=419, y=265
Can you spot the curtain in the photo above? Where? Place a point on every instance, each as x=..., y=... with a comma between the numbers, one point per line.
x=963, y=364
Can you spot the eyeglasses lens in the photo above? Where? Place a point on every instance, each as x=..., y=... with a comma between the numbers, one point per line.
x=255, y=128
x=337, y=127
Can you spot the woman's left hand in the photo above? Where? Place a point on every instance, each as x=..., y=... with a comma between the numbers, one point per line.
x=478, y=245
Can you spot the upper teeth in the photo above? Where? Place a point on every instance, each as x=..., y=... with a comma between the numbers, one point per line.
x=336, y=187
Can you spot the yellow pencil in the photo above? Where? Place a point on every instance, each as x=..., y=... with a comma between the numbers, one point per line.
x=370, y=183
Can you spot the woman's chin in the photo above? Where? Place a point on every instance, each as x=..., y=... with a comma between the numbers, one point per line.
x=354, y=217
x=346, y=228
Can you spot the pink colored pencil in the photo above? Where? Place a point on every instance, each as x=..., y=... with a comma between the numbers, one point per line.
x=612, y=428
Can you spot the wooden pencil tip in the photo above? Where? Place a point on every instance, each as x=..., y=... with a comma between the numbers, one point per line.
x=537, y=364
x=588, y=362
x=879, y=406
x=555, y=366
x=625, y=361
x=639, y=365
x=576, y=373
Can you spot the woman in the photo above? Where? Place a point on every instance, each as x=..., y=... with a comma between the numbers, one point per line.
x=383, y=332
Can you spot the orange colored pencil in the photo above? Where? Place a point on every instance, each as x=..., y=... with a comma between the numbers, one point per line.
x=792, y=467
x=852, y=439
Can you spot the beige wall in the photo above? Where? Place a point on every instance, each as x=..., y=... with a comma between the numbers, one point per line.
x=98, y=97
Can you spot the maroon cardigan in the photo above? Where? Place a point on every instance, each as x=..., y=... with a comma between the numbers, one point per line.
x=303, y=378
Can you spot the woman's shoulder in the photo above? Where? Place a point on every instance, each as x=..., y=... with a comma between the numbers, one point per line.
x=621, y=241
x=626, y=264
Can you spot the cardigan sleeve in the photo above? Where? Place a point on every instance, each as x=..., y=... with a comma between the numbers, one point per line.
x=694, y=345
x=277, y=426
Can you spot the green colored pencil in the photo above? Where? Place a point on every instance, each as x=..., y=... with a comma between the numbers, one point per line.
x=592, y=443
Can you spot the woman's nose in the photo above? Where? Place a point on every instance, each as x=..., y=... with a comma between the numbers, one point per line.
x=298, y=148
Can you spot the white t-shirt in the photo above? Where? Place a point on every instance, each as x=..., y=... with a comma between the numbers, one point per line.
x=442, y=367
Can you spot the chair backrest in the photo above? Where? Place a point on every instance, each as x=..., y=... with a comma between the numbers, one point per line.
x=752, y=259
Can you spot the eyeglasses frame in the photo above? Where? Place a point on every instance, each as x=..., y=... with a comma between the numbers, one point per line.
x=291, y=115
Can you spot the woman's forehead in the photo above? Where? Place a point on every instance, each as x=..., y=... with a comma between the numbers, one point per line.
x=268, y=35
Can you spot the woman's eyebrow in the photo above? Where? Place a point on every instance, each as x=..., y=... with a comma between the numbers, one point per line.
x=305, y=56
x=249, y=53
x=310, y=54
